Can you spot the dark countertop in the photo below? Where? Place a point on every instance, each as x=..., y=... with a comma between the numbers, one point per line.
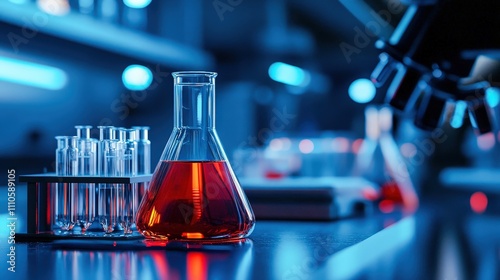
x=443, y=240
x=276, y=250
x=375, y=247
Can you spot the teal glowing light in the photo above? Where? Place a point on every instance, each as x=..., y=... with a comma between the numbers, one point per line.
x=18, y=1
x=458, y=115
x=137, y=77
x=493, y=96
x=289, y=74
x=362, y=91
x=137, y=4
x=32, y=74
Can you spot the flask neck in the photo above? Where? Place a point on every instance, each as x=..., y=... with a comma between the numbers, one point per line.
x=194, y=100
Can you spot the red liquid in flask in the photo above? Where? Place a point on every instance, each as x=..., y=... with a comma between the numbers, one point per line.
x=194, y=200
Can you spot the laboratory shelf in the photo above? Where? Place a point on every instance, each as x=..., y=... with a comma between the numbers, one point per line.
x=92, y=32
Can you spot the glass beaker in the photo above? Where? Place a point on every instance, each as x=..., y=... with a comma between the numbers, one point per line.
x=194, y=194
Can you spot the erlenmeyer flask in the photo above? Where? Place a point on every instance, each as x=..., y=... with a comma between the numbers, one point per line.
x=380, y=161
x=194, y=194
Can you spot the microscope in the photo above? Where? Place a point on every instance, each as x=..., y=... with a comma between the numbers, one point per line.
x=439, y=53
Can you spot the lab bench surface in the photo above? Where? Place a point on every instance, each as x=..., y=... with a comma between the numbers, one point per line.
x=443, y=240
x=419, y=246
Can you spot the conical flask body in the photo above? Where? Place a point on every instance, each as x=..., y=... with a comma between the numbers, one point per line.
x=194, y=194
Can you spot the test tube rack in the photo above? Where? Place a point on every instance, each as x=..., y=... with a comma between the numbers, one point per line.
x=38, y=201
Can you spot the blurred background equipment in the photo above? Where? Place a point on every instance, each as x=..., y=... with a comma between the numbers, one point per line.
x=437, y=58
x=437, y=70
x=300, y=91
x=295, y=77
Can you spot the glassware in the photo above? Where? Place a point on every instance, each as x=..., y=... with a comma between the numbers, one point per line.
x=120, y=135
x=380, y=161
x=64, y=195
x=369, y=162
x=128, y=197
x=87, y=149
x=143, y=161
x=143, y=150
x=194, y=194
x=108, y=167
x=399, y=188
x=83, y=131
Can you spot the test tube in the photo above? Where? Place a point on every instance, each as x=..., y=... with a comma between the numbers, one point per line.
x=143, y=161
x=143, y=150
x=107, y=193
x=60, y=192
x=127, y=193
x=106, y=134
x=63, y=194
x=83, y=131
x=87, y=167
x=120, y=136
x=72, y=170
x=72, y=156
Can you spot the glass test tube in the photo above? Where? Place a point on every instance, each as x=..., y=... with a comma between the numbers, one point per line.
x=120, y=136
x=107, y=193
x=143, y=160
x=87, y=167
x=119, y=133
x=63, y=194
x=72, y=170
x=127, y=193
x=143, y=150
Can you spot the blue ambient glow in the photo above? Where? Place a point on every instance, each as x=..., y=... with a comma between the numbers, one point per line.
x=362, y=91
x=458, y=115
x=351, y=261
x=493, y=96
x=137, y=77
x=18, y=1
x=32, y=74
x=289, y=74
x=137, y=4
x=403, y=24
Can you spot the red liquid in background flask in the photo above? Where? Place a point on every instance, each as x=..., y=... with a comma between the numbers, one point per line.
x=194, y=194
x=194, y=200
x=380, y=161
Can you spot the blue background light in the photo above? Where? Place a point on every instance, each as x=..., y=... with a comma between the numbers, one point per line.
x=18, y=1
x=289, y=74
x=458, y=115
x=137, y=77
x=493, y=96
x=137, y=4
x=32, y=74
x=362, y=91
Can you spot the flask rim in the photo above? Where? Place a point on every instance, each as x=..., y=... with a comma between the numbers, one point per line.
x=194, y=74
